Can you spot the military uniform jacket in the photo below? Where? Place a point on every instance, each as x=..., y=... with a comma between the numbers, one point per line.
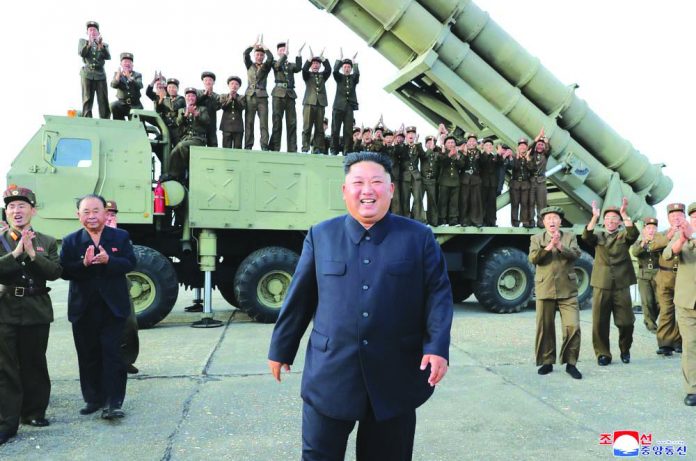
x=128, y=89
x=212, y=104
x=430, y=164
x=555, y=276
x=612, y=263
x=284, y=77
x=449, y=170
x=345, y=88
x=168, y=109
x=375, y=311
x=660, y=243
x=257, y=75
x=23, y=272
x=489, y=169
x=394, y=155
x=192, y=126
x=410, y=161
x=232, y=108
x=647, y=257
x=685, y=287
x=93, y=59
x=315, y=93
x=537, y=167
x=470, y=168
x=520, y=169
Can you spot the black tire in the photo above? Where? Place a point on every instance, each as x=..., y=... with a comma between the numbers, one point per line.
x=461, y=288
x=154, y=286
x=262, y=282
x=224, y=280
x=583, y=271
x=505, y=281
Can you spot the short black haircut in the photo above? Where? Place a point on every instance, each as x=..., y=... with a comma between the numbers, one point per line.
x=85, y=197
x=356, y=157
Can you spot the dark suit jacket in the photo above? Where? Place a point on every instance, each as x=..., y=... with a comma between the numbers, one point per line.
x=105, y=281
x=315, y=91
x=379, y=299
x=345, y=87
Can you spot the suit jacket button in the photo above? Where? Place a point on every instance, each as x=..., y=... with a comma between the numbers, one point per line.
x=365, y=287
x=365, y=314
x=364, y=341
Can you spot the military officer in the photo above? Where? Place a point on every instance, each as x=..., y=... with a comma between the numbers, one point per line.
x=489, y=161
x=470, y=209
x=347, y=76
x=412, y=185
x=554, y=252
x=538, y=159
x=256, y=94
x=668, y=336
x=284, y=97
x=519, y=186
x=357, y=135
x=647, y=258
x=683, y=247
x=231, y=122
x=430, y=170
x=27, y=260
x=128, y=84
x=448, y=183
x=612, y=277
x=167, y=102
x=314, y=103
x=504, y=153
x=208, y=98
x=94, y=52
x=391, y=151
x=193, y=121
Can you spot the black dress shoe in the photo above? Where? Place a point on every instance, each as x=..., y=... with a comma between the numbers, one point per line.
x=603, y=360
x=573, y=371
x=690, y=400
x=664, y=350
x=36, y=422
x=678, y=349
x=5, y=436
x=112, y=413
x=90, y=408
x=545, y=369
x=626, y=357
x=131, y=369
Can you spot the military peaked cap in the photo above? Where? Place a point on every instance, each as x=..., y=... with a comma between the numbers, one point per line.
x=234, y=77
x=94, y=24
x=126, y=55
x=191, y=90
x=410, y=129
x=524, y=141
x=173, y=81
x=612, y=209
x=111, y=206
x=207, y=74
x=650, y=220
x=552, y=209
x=13, y=192
x=692, y=208
x=347, y=61
x=471, y=135
x=488, y=140
x=676, y=207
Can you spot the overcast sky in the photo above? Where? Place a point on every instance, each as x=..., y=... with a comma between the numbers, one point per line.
x=633, y=59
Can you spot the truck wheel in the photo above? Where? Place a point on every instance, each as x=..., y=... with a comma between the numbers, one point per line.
x=262, y=281
x=505, y=281
x=461, y=288
x=225, y=282
x=153, y=286
x=583, y=271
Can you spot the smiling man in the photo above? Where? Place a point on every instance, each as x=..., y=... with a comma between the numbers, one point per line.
x=375, y=286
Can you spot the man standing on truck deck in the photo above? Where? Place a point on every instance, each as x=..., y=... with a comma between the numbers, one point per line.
x=647, y=257
x=412, y=184
x=94, y=52
x=683, y=247
x=448, y=181
x=554, y=252
x=211, y=100
x=167, y=103
x=130, y=345
x=519, y=186
x=537, y=178
x=612, y=277
x=231, y=122
x=96, y=260
x=347, y=76
x=193, y=122
x=128, y=84
x=489, y=162
x=284, y=97
x=668, y=337
x=256, y=94
x=314, y=103
x=430, y=170
x=368, y=365
x=470, y=205
x=27, y=260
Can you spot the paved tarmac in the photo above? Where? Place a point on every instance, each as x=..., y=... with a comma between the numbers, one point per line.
x=205, y=394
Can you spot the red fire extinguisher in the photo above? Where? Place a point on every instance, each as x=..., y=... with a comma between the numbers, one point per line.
x=159, y=200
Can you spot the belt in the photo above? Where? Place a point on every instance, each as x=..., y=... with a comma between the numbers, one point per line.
x=669, y=269
x=127, y=101
x=21, y=292
x=282, y=85
x=410, y=168
x=520, y=179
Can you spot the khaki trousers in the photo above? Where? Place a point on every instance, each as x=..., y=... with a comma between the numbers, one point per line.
x=648, y=302
x=687, y=326
x=606, y=302
x=546, y=330
x=667, y=328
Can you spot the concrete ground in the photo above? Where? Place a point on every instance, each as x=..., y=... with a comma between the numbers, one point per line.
x=205, y=394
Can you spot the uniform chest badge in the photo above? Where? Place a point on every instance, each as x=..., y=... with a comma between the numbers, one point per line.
x=40, y=249
x=114, y=250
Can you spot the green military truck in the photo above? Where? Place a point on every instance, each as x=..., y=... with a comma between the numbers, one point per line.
x=240, y=224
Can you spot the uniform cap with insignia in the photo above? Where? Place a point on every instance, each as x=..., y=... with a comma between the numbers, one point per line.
x=692, y=208
x=126, y=55
x=429, y=138
x=207, y=74
x=280, y=45
x=111, y=206
x=471, y=135
x=612, y=209
x=234, y=77
x=356, y=129
x=524, y=141
x=506, y=147
x=191, y=90
x=650, y=220
x=410, y=129
x=13, y=192
x=488, y=140
x=367, y=129
x=173, y=81
x=379, y=127
x=315, y=58
x=388, y=132
x=452, y=138
x=259, y=48
x=94, y=24
x=400, y=133
x=347, y=61
x=552, y=209
x=676, y=207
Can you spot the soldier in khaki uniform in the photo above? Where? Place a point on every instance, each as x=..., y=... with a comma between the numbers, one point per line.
x=683, y=247
x=430, y=170
x=256, y=94
x=647, y=258
x=314, y=104
x=284, y=97
x=490, y=161
x=554, y=253
x=231, y=122
x=390, y=150
x=27, y=260
x=347, y=75
x=412, y=183
x=167, y=101
x=94, y=52
x=193, y=121
x=470, y=204
x=668, y=337
x=211, y=101
x=519, y=186
x=128, y=84
x=448, y=183
x=612, y=277
x=538, y=159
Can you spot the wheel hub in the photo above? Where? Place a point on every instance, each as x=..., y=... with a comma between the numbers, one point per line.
x=272, y=288
x=512, y=283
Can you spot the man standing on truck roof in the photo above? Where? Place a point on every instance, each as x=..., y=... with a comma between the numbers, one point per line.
x=411, y=181
x=94, y=52
x=27, y=260
x=128, y=84
x=256, y=94
x=347, y=76
x=193, y=121
x=448, y=183
x=367, y=364
x=538, y=159
x=314, y=103
x=554, y=253
x=231, y=122
x=211, y=100
x=284, y=97
x=490, y=161
x=612, y=277
x=470, y=204
x=430, y=170
x=647, y=257
x=519, y=185
x=167, y=100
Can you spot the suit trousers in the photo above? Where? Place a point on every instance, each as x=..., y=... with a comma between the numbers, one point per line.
x=179, y=160
x=430, y=186
x=284, y=106
x=648, y=302
x=25, y=386
x=519, y=203
x=413, y=187
x=667, y=328
x=313, y=118
x=687, y=326
x=121, y=109
x=449, y=205
x=344, y=118
x=256, y=105
x=546, y=330
x=130, y=344
x=606, y=302
x=98, y=335
x=89, y=87
x=232, y=140
x=325, y=438
x=537, y=200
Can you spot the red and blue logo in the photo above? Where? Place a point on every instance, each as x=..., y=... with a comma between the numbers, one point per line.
x=626, y=444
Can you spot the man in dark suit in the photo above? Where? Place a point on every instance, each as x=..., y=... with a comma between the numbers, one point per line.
x=96, y=259
x=347, y=76
x=380, y=318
